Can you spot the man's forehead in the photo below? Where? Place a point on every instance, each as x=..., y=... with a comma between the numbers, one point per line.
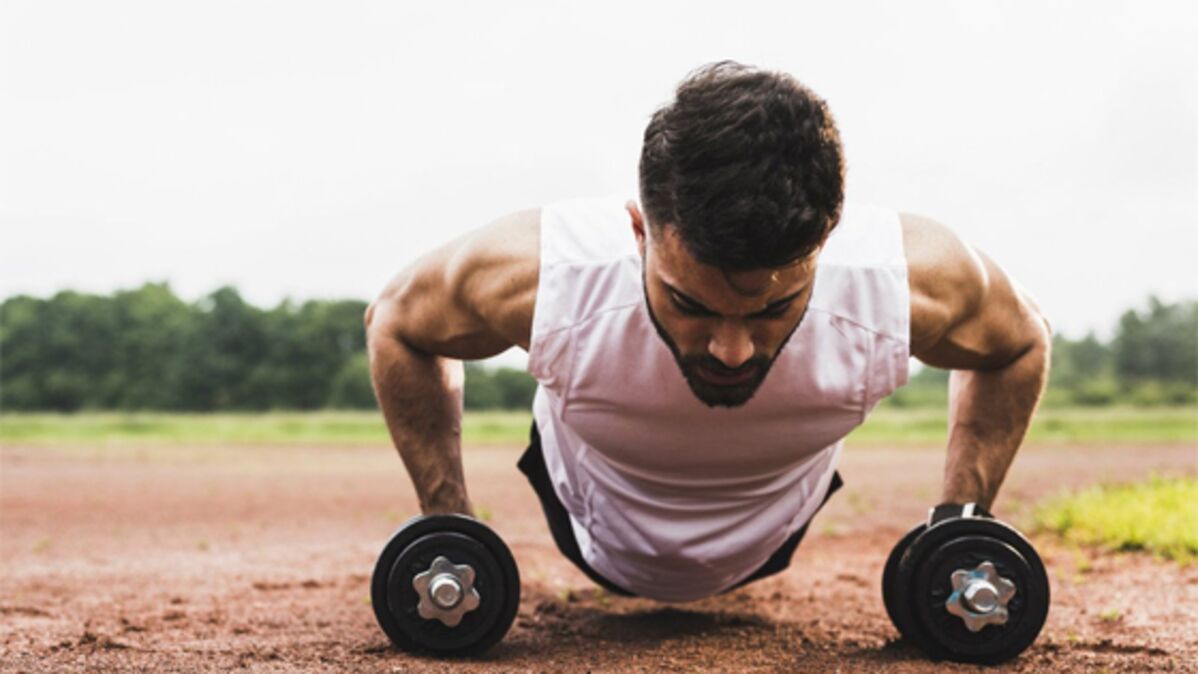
x=706, y=283
x=754, y=284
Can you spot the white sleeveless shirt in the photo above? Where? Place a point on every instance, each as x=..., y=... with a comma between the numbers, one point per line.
x=669, y=498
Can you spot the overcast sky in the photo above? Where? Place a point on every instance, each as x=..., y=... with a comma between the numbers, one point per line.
x=311, y=149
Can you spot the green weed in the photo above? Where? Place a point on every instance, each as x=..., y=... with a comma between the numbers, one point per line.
x=1159, y=515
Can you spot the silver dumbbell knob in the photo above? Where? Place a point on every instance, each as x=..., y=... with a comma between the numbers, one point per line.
x=446, y=592
x=980, y=596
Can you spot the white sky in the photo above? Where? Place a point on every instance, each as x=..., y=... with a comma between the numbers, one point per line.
x=312, y=149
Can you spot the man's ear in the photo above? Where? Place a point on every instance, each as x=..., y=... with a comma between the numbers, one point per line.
x=638, y=226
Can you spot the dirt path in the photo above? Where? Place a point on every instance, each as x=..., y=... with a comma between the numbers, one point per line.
x=212, y=559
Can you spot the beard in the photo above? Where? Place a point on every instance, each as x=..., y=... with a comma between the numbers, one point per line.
x=710, y=393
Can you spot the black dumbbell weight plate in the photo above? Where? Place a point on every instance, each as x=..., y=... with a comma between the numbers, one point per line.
x=965, y=544
x=462, y=540
x=890, y=571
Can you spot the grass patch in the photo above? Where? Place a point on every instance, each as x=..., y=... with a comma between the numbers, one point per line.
x=267, y=428
x=1110, y=615
x=1064, y=425
x=926, y=427
x=482, y=512
x=1159, y=516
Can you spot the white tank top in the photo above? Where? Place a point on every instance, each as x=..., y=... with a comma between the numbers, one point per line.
x=669, y=498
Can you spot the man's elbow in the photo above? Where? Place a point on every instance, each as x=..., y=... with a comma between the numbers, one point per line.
x=1037, y=354
x=1037, y=331
x=1042, y=330
x=1045, y=340
x=1031, y=344
x=1047, y=328
x=373, y=320
x=368, y=317
x=382, y=315
x=382, y=322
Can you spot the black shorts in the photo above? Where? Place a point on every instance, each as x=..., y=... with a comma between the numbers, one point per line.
x=532, y=464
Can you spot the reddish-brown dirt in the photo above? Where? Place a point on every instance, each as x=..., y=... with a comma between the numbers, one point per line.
x=260, y=558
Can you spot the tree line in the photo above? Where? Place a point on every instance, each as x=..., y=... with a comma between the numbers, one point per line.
x=146, y=349
x=1152, y=359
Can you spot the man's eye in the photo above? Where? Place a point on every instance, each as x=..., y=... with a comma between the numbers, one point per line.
x=688, y=310
x=777, y=312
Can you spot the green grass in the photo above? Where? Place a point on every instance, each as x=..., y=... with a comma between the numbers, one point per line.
x=310, y=428
x=1064, y=425
x=1159, y=516
x=920, y=427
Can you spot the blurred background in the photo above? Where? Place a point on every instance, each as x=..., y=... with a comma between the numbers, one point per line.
x=198, y=201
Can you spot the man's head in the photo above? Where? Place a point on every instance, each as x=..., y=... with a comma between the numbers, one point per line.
x=741, y=180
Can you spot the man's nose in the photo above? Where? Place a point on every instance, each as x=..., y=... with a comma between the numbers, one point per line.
x=731, y=344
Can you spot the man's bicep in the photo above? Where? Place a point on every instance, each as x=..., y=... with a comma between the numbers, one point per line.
x=966, y=312
x=470, y=298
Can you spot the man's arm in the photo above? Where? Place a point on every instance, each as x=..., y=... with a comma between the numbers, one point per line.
x=967, y=315
x=471, y=298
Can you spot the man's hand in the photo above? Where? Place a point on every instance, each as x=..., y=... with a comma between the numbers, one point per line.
x=967, y=315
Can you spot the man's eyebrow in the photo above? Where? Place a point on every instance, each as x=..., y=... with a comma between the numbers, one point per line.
x=699, y=305
x=688, y=299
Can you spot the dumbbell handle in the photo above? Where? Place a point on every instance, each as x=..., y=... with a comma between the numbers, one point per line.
x=945, y=511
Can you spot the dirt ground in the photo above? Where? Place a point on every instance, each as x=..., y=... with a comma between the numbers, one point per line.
x=260, y=558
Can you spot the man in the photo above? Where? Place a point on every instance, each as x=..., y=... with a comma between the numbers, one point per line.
x=700, y=355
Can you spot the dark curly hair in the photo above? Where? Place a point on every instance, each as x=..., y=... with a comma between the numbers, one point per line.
x=746, y=164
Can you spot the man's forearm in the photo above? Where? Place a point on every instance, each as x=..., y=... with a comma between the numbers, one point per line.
x=989, y=414
x=421, y=399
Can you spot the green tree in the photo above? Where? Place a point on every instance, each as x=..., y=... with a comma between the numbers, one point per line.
x=306, y=347
x=1082, y=372
x=225, y=340
x=926, y=388
x=481, y=390
x=153, y=324
x=1160, y=344
x=21, y=360
x=351, y=388
x=55, y=353
x=516, y=388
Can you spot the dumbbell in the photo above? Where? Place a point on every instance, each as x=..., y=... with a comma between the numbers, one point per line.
x=966, y=587
x=445, y=584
